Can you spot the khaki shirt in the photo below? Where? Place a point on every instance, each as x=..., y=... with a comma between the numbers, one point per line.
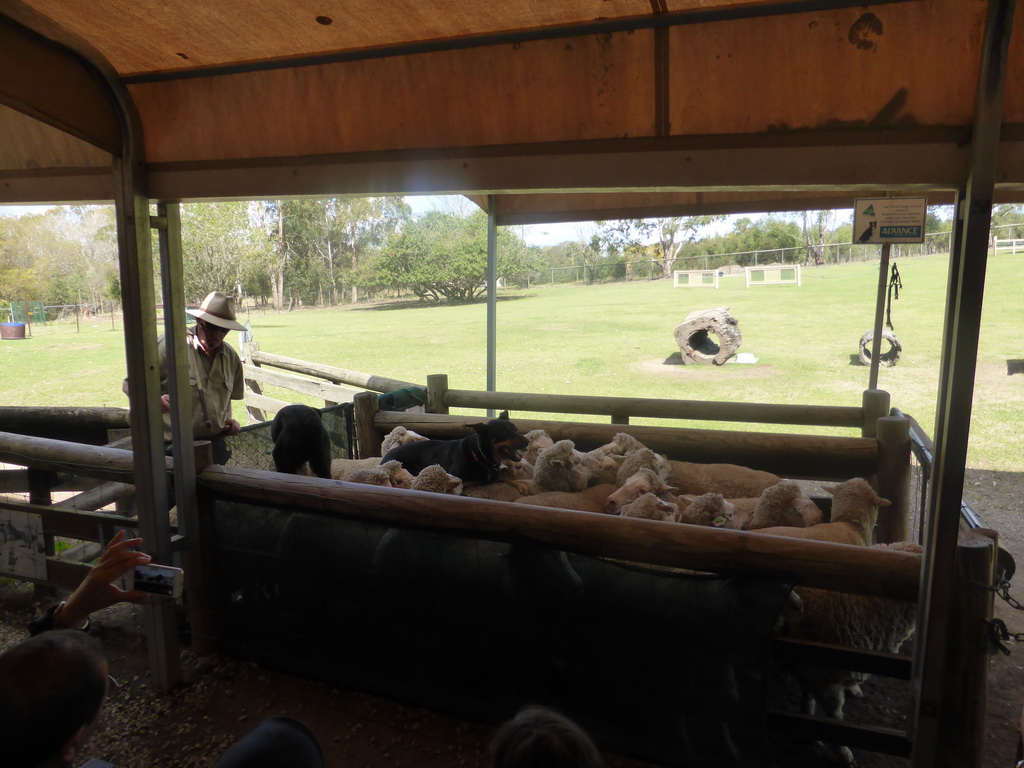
x=222, y=382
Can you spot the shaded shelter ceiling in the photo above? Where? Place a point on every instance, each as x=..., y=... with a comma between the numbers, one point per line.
x=562, y=111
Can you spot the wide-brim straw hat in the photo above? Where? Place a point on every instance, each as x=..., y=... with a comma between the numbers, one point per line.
x=219, y=310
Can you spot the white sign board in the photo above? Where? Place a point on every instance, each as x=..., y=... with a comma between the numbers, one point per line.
x=889, y=220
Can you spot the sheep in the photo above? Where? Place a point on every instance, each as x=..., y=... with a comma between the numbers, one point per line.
x=730, y=480
x=590, y=499
x=644, y=481
x=854, y=512
x=539, y=441
x=390, y=473
x=399, y=436
x=712, y=509
x=558, y=468
x=622, y=444
x=500, y=491
x=649, y=507
x=852, y=621
x=784, y=504
x=371, y=476
x=516, y=470
x=641, y=459
x=342, y=468
x=436, y=480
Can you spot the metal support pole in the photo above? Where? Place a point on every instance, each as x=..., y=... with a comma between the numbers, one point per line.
x=933, y=695
x=492, y=298
x=876, y=341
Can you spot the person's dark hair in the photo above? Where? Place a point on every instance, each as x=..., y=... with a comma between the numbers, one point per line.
x=50, y=686
x=538, y=737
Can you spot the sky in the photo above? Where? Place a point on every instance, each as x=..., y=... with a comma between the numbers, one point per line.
x=533, y=234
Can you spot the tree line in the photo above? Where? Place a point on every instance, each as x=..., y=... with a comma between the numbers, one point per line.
x=287, y=253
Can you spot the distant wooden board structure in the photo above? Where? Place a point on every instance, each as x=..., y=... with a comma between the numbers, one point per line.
x=695, y=278
x=788, y=274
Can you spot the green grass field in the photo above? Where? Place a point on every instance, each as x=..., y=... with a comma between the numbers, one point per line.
x=615, y=340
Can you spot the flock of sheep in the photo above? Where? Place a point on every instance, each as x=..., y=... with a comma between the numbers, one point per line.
x=628, y=479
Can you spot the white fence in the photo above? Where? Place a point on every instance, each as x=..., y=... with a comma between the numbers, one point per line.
x=788, y=274
x=1011, y=244
x=695, y=278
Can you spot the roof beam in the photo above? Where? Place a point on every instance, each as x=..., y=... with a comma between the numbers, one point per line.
x=53, y=85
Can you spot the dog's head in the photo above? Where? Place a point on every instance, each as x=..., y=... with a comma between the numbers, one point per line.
x=501, y=440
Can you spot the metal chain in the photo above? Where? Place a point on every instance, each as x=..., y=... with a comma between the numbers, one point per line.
x=998, y=633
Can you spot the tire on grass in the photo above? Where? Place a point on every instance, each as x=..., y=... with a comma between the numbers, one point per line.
x=887, y=357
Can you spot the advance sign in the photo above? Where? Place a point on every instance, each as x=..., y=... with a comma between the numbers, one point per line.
x=889, y=220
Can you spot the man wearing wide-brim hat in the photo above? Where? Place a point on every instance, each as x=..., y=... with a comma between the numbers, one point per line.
x=214, y=376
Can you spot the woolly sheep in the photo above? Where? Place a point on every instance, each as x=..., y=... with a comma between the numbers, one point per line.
x=643, y=458
x=500, y=491
x=854, y=512
x=852, y=621
x=559, y=468
x=390, y=473
x=342, y=468
x=371, y=476
x=784, y=504
x=730, y=480
x=436, y=480
x=711, y=509
x=590, y=499
x=399, y=436
x=539, y=441
x=644, y=481
x=649, y=507
x=622, y=444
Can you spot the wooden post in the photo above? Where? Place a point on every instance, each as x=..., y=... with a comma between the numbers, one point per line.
x=961, y=732
x=367, y=436
x=437, y=386
x=875, y=404
x=893, y=478
x=39, y=483
x=199, y=570
x=251, y=385
x=620, y=418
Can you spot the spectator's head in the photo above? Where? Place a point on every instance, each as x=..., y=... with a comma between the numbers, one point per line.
x=51, y=690
x=538, y=737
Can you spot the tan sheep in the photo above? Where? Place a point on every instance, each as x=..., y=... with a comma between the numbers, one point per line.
x=539, y=441
x=500, y=491
x=643, y=458
x=647, y=506
x=854, y=512
x=390, y=473
x=622, y=444
x=590, y=499
x=784, y=504
x=342, y=468
x=559, y=468
x=399, y=436
x=730, y=480
x=712, y=509
x=852, y=621
x=436, y=480
x=644, y=481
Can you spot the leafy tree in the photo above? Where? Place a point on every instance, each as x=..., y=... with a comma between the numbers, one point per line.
x=441, y=256
x=221, y=248
x=670, y=235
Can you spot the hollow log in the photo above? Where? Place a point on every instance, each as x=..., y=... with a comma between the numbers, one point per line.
x=697, y=334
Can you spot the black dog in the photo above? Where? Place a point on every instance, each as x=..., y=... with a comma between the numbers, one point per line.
x=475, y=459
x=299, y=436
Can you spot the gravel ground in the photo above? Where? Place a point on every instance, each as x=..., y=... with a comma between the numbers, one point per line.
x=222, y=699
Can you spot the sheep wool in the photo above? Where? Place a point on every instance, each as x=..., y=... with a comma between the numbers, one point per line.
x=436, y=480
x=644, y=458
x=650, y=507
x=559, y=469
x=540, y=441
x=399, y=436
x=784, y=503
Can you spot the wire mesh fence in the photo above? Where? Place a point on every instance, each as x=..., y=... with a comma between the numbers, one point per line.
x=252, y=446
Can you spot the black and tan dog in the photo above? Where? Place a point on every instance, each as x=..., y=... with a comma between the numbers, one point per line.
x=476, y=458
x=299, y=436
